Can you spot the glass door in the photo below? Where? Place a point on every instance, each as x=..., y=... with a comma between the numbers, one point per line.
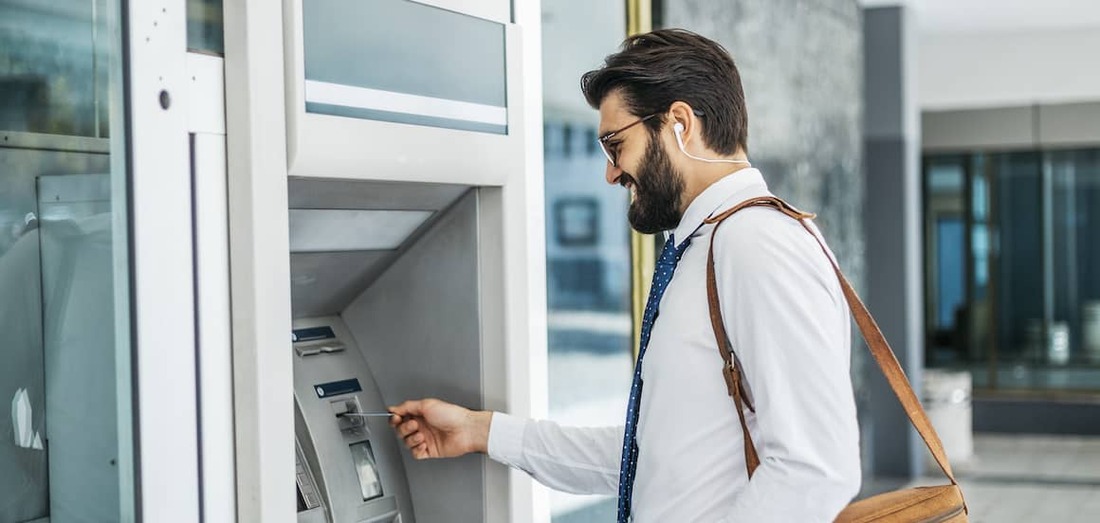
x=67, y=448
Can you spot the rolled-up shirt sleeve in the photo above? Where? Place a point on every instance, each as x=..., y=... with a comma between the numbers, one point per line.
x=579, y=460
x=789, y=327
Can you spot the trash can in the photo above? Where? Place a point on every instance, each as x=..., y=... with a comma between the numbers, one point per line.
x=947, y=401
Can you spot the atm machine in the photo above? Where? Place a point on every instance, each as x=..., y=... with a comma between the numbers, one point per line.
x=405, y=186
x=388, y=305
x=347, y=463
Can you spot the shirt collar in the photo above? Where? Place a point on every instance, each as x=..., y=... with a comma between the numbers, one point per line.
x=741, y=184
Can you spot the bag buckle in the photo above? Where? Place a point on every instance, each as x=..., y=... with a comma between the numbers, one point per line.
x=733, y=382
x=730, y=374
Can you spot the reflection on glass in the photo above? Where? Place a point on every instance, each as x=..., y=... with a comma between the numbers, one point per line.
x=24, y=492
x=53, y=67
x=1029, y=316
x=66, y=454
x=945, y=229
x=587, y=240
x=205, y=31
x=1076, y=255
x=1017, y=199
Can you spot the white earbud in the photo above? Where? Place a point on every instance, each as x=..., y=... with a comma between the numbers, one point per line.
x=678, y=128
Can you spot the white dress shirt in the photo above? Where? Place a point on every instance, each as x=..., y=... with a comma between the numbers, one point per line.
x=789, y=327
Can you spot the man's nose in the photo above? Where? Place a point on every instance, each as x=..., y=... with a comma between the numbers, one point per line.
x=612, y=174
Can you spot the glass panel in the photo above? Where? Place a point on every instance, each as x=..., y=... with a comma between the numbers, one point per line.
x=587, y=240
x=397, y=72
x=976, y=336
x=1076, y=257
x=945, y=233
x=53, y=67
x=1030, y=316
x=205, y=31
x=1019, y=294
x=64, y=309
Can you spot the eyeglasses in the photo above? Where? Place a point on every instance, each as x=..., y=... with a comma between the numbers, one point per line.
x=611, y=158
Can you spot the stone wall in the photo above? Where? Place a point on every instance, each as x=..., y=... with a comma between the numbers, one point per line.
x=801, y=64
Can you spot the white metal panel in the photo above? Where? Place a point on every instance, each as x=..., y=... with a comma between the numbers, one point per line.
x=162, y=262
x=522, y=214
x=205, y=93
x=364, y=98
x=320, y=145
x=259, y=261
x=215, y=344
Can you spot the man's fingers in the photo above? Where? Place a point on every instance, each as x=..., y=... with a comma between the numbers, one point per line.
x=408, y=420
x=407, y=428
x=414, y=439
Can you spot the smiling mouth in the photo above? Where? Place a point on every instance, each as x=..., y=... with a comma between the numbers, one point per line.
x=628, y=183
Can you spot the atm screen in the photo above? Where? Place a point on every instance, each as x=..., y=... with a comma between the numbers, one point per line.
x=370, y=482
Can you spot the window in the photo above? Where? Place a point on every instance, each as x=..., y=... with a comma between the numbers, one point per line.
x=588, y=240
x=1013, y=285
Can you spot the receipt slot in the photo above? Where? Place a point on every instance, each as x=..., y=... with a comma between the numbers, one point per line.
x=348, y=465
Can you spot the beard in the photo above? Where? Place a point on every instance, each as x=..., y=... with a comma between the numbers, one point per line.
x=657, y=192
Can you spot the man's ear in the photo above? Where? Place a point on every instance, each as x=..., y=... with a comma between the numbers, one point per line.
x=683, y=119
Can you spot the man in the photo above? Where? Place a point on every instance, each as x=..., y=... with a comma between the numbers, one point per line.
x=674, y=128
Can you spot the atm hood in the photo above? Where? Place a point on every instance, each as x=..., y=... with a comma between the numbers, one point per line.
x=345, y=233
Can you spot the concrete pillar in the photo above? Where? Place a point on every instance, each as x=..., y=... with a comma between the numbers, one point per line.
x=891, y=218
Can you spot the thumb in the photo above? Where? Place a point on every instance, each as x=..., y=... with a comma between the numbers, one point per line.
x=413, y=408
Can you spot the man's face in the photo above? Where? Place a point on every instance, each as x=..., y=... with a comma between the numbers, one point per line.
x=643, y=167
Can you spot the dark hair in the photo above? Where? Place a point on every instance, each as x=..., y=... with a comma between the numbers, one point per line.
x=655, y=69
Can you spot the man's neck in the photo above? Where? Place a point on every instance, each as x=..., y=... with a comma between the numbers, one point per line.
x=704, y=177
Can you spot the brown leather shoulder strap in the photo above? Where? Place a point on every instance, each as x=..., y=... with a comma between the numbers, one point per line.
x=730, y=370
x=876, y=342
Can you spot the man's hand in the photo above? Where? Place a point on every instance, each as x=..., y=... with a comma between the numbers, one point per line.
x=436, y=429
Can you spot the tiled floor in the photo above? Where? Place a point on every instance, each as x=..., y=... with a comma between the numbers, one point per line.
x=1032, y=479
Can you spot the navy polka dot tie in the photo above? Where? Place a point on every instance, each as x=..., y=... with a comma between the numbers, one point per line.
x=666, y=265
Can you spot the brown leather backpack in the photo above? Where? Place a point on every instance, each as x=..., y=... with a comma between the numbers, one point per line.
x=943, y=503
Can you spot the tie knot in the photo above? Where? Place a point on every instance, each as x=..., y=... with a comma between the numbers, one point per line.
x=671, y=252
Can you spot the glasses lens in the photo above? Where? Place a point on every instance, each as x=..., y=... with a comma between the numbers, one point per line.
x=603, y=147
